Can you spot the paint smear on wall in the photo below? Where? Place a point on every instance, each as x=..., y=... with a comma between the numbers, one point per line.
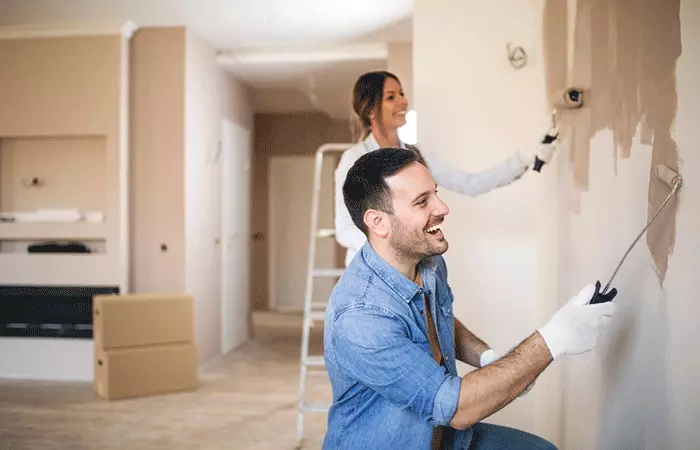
x=624, y=56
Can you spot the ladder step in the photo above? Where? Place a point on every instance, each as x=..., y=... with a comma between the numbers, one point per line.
x=319, y=305
x=325, y=232
x=317, y=315
x=314, y=361
x=317, y=373
x=315, y=408
x=328, y=272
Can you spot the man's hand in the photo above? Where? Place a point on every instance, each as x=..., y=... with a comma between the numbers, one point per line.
x=575, y=328
x=490, y=356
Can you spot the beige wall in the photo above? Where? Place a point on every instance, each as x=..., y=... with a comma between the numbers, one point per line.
x=210, y=95
x=400, y=63
x=157, y=169
x=281, y=134
x=517, y=254
x=58, y=88
x=72, y=170
x=476, y=110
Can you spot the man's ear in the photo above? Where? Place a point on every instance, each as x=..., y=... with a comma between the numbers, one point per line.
x=377, y=222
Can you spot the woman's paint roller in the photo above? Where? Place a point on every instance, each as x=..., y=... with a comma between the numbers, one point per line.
x=673, y=180
x=569, y=98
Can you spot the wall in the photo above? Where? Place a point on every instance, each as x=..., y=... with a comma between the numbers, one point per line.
x=400, y=63
x=57, y=88
x=476, y=110
x=157, y=169
x=281, y=134
x=210, y=95
x=640, y=387
x=520, y=252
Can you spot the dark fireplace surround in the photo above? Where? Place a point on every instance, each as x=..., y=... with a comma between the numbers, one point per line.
x=48, y=311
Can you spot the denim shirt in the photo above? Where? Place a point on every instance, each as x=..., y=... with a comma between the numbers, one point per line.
x=388, y=391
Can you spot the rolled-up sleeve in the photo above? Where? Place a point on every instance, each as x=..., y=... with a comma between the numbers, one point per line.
x=446, y=400
x=373, y=346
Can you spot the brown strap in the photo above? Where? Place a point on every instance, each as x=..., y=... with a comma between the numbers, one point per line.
x=441, y=435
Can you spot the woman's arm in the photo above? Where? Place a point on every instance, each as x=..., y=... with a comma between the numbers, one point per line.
x=474, y=184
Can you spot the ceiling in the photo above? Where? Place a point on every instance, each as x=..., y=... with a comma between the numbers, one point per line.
x=297, y=55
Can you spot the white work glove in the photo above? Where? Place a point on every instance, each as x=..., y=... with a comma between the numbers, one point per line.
x=489, y=356
x=544, y=152
x=575, y=328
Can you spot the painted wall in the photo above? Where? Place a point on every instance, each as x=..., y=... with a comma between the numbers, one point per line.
x=281, y=134
x=400, y=63
x=522, y=251
x=210, y=95
x=641, y=389
x=54, y=91
x=476, y=110
x=157, y=169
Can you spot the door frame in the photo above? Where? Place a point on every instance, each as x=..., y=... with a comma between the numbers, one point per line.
x=229, y=131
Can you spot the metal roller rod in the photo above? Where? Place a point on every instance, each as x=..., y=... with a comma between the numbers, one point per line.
x=676, y=183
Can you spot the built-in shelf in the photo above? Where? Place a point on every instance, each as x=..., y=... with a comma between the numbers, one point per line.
x=61, y=269
x=17, y=231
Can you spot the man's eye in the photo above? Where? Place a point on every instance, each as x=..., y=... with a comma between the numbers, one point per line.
x=422, y=202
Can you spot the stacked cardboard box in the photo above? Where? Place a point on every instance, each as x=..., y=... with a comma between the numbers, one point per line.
x=144, y=345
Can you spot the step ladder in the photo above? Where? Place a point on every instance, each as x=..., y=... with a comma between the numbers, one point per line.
x=314, y=365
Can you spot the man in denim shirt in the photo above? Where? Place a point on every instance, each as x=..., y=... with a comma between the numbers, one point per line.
x=391, y=340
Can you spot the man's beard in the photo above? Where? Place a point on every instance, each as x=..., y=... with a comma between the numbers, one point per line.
x=414, y=245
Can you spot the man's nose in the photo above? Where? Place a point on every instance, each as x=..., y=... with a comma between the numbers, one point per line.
x=441, y=208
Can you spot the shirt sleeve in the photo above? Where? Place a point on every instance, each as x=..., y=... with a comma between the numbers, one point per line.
x=372, y=346
x=474, y=184
x=346, y=233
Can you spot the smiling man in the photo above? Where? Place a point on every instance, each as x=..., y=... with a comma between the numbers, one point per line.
x=391, y=339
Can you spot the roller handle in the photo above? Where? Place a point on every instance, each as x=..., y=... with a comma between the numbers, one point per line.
x=548, y=139
x=599, y=297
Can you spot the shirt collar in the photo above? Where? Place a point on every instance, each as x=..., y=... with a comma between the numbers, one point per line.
x=402, y=286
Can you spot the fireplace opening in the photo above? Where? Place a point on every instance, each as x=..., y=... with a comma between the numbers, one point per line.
x=48, y=311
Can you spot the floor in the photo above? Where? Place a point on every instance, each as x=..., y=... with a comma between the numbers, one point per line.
x=246, y=400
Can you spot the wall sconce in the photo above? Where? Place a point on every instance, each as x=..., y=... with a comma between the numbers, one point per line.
x=32, y=182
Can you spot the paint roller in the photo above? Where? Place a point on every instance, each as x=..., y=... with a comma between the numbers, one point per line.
x=673, y=180
x=569, y=98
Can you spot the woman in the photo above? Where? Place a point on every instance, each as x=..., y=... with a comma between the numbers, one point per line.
x=380, y=108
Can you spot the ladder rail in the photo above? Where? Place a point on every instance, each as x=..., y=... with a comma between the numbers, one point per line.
x=311, y=273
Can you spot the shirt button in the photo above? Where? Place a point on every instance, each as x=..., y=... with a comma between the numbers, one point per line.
x=446, y=358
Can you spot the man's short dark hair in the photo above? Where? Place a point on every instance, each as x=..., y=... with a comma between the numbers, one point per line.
x=365, y=187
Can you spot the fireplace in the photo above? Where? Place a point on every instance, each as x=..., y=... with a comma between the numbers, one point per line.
x=48, y=311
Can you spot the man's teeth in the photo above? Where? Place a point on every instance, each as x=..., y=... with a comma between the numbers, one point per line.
x=435, y=228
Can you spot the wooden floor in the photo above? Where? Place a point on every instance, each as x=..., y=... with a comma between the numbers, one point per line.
x=246, y=400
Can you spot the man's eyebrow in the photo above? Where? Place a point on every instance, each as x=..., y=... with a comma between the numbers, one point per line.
x=422, y=194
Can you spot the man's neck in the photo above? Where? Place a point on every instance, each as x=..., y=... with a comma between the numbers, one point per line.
x=406, y=266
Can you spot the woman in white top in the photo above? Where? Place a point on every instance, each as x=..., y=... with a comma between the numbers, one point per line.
x=380, y=107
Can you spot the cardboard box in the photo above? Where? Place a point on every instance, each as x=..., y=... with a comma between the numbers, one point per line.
x=121, y=321
x=133, y=372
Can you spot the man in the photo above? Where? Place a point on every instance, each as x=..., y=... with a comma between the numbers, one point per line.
x=391, y=339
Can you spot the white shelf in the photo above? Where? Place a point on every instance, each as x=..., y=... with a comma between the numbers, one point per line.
x=52, y=231
x=59, y=269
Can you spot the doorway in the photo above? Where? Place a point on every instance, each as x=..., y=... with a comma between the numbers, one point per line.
x=290, y=188
x=236, y=148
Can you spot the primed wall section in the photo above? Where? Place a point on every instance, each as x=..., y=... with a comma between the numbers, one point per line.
x=548, y=235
